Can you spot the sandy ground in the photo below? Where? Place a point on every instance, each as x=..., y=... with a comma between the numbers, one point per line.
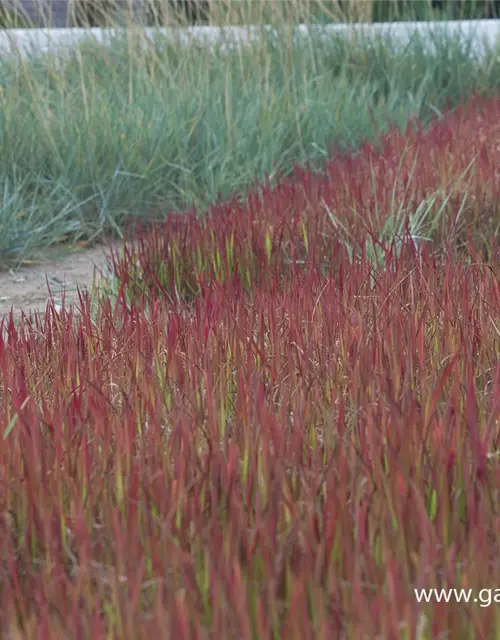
x=62, y=269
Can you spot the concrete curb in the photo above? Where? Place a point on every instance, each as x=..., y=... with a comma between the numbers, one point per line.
x=480, y=33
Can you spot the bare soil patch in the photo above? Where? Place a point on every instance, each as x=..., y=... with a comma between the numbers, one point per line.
x=63, y=269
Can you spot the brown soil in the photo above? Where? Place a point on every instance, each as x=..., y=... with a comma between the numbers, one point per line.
x=63, y=269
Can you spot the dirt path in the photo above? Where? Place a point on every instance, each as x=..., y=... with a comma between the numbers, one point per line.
x=64, y=269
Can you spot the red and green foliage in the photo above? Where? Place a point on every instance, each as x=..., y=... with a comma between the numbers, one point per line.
x=276, y=431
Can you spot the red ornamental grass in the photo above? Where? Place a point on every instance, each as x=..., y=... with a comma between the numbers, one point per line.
x=281, y=438
x=436, y=185
x=291, y=462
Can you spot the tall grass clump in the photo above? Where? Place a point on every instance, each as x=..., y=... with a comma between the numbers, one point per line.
x=117, y=13
x=105, y=135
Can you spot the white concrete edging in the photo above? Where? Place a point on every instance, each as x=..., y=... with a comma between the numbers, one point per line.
x=480, y=33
